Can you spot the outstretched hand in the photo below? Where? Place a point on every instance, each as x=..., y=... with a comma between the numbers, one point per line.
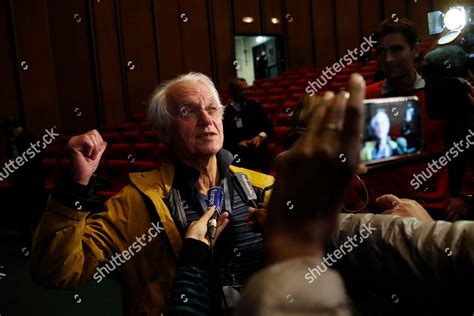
x=314, y=176
x=403, y=207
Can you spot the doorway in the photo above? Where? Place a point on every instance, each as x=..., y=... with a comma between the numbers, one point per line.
x=257, y=57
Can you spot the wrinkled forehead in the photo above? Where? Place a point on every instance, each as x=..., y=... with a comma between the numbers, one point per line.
x=190, y=93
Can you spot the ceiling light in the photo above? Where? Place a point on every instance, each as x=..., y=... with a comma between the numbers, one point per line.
x=247, y=19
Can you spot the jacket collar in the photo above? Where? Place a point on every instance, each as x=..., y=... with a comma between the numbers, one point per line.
x=186, y=177
x=418, y=84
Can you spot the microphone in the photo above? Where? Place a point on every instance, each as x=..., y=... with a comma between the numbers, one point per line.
x=245, y=188
x=215, y=197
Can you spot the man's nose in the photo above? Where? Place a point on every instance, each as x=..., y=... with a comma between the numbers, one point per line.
x=204, y=118
x=389, y=57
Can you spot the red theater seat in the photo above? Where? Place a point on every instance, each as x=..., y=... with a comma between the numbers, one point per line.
x=112, y=138
x=139, y=117
x=144, y=152
x=296, y=97
x=280, y=134
x=278, y=99
x=126, y=127
x=117, y=152
x=144, y=126
x=270, y=108
x=141, y=166
x=289, y=106
x=116, y=175
x=150, y=136
x=132, y=137
x=108, y=129
x=283, y=119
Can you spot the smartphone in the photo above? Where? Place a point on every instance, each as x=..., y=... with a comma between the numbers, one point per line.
x=392, y=130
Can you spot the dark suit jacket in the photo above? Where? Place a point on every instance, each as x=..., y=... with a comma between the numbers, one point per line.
x=254, y=121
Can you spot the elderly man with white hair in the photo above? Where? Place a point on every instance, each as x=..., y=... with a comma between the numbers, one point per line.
x=74, y=244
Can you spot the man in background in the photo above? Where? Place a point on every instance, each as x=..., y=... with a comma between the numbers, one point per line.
x=397, y=50
x=247, y=129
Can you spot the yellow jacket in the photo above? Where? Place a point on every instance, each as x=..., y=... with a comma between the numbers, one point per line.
x=69, y=245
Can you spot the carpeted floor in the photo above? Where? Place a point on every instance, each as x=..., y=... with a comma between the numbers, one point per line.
x=19, y=295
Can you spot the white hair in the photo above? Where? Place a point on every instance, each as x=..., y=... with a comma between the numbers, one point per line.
x=379, y=113
x=158, y=114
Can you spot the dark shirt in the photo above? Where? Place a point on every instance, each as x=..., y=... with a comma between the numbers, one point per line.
x=238, y=252
x=244, y=124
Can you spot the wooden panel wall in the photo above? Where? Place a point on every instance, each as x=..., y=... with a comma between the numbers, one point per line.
x=299, y=36
x=223, y=42
x=168, y=30
x=395, y=9
x=8, y=92
x=418, y=13
x=102, y=59
x=112, y=100
x=324, y=31
x=370, y=15
x=195, y=36
x=139, y=52
x=347, y=25
x=68, y=22
x=35, y=64
x=272, y=10
x=247, y=8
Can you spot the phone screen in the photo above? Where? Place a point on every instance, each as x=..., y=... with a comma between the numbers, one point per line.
x=393, y=129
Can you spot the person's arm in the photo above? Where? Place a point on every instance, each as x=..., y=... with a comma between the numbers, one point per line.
x=69, y=242
x=389, y=249
x=191, y=293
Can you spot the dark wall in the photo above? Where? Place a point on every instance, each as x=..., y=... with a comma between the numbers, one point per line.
x=79, y=63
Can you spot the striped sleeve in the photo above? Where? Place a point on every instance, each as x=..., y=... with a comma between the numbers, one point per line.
x=190, y=294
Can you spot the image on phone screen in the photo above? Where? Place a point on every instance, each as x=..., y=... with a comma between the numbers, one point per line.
x=393, y=129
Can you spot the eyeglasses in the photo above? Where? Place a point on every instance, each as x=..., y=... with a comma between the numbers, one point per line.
x=188, y=112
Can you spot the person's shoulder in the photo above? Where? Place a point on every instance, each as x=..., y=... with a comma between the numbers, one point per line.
x=156, y=179
x=374, y=90
x=258, y=179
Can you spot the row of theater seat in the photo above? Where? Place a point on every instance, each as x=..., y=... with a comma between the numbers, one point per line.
x=134, y=146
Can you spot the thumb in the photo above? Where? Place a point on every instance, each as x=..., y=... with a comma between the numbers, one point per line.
x=208, y=214
x=104, y=146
